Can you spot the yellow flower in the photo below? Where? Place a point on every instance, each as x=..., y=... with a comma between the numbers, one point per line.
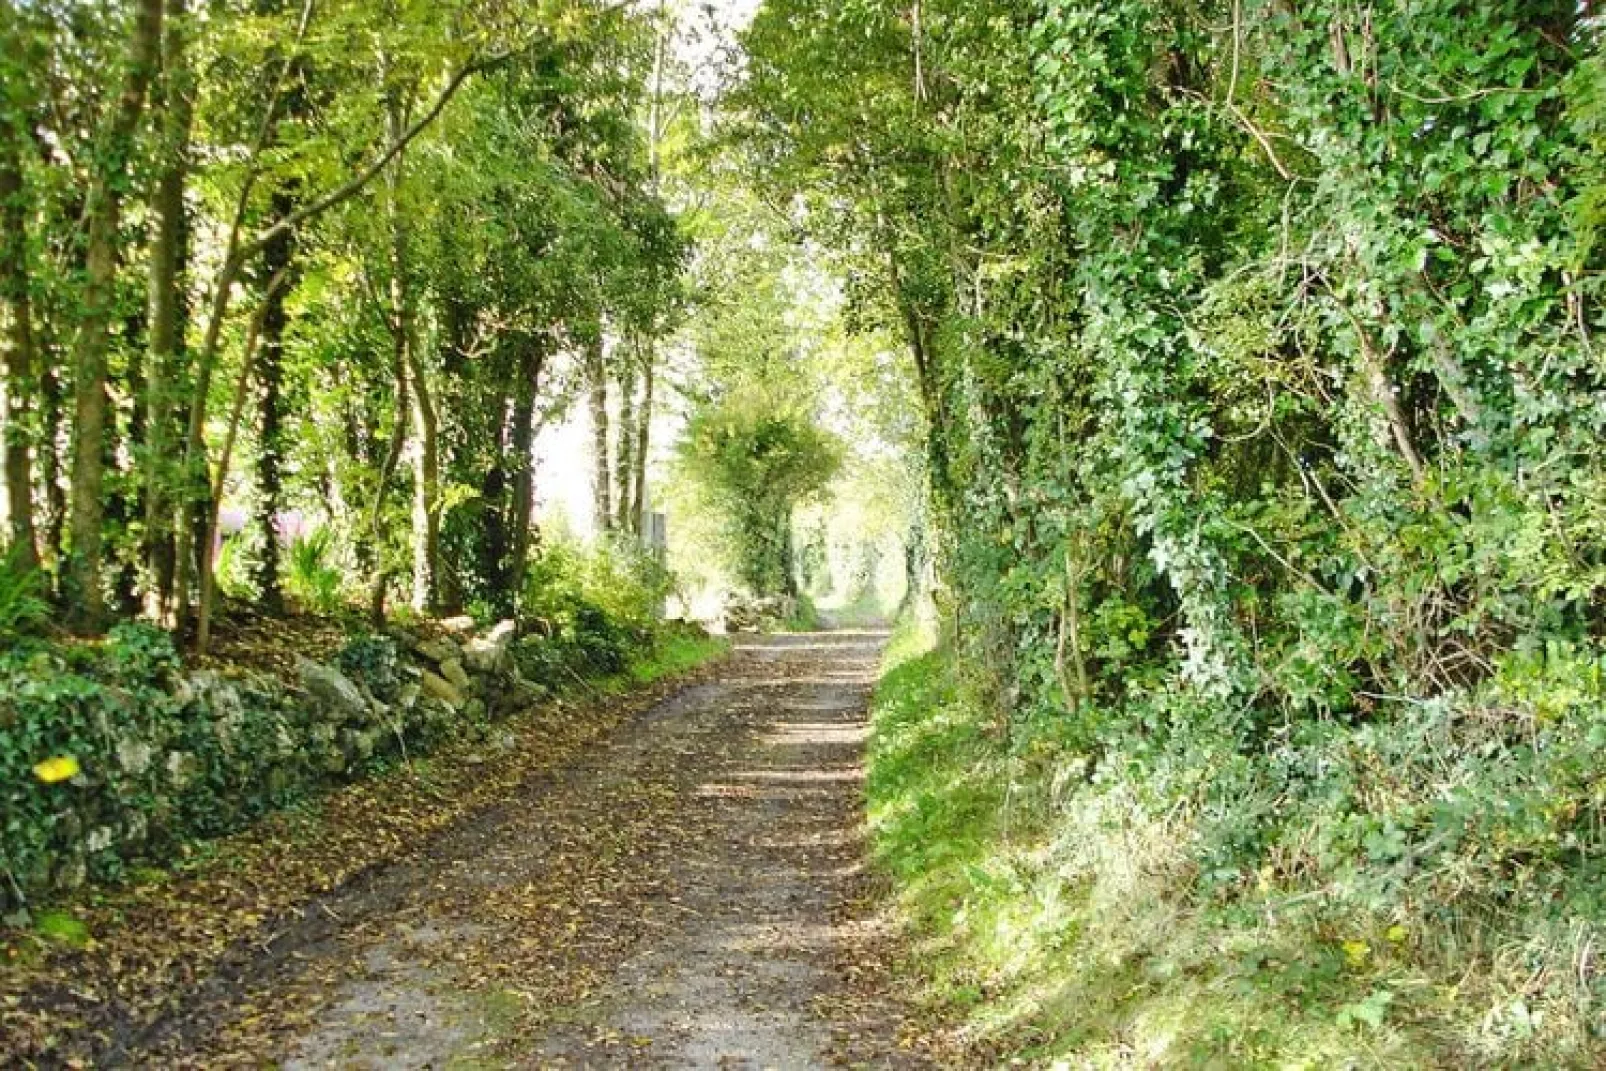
x=59, y=768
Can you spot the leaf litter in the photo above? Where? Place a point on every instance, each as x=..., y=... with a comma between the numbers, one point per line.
x=673, y=879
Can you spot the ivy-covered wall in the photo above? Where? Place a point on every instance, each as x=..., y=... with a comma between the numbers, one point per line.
x=113, y=753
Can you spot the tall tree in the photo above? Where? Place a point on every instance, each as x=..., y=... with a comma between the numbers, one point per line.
x=596, y=372
x=167, y=308
x=108, y=170
x=18, y=390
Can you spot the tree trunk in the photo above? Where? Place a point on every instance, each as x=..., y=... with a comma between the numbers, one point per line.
x=426, y=459
x=493, y=494
x=393, y=452
x=276, y=263
x=426, y=492
x=126, y=501
x=16, y=400
x=108, y=170
x=214, y=510
x=1380, y=389
x=638, y=500
x=788, y=555
x=662, y=30
x=523, y=497
x=625, y=458
x=52, y=402
x=166, y=310
x=601, y=477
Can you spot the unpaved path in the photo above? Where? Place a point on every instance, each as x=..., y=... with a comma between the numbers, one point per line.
x=690, y=894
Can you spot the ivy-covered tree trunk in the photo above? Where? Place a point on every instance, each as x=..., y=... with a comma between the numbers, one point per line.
x=638, y=502
x=108, y=171
x=16, y=309
x=597, y=396
x=523, y=496
x=166, y=310
x=276, y=264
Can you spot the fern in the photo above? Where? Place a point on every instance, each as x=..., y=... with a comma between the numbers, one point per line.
x=22, y=604
x=313, y=578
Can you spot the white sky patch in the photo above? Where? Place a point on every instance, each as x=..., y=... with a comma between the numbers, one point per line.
x=564, y=459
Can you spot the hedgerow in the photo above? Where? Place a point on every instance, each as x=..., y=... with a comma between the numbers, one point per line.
x=1258, y=346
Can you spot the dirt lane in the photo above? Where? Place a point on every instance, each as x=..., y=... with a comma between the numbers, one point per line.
x=690, y=894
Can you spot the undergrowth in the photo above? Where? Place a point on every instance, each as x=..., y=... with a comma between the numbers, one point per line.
x=1073, y=921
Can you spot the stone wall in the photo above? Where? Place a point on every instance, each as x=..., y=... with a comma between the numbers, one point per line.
x=163, y=754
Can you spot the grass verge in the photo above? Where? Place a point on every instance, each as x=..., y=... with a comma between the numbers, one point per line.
x=1061, y=921
x=679, y=651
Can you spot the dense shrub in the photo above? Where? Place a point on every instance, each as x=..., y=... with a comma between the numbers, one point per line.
x=590, y=610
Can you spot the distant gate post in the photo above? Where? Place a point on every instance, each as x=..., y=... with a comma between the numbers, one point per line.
x=658, y=535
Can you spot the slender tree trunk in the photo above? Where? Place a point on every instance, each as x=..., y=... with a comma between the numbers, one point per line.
x=167, y=310
x=648, y=351
x=109, y=167
x=276, y=263
x=214, y=508
x=426, y=493
x=601, y=476
x=52, y=399
x=426, y=458
x=788, y=563
x=16, y=400
x=523, y=498
x=464, y=396
x=638, y=502
x=393, y=452
x=1069, y=665
x=1380, y=389
x=126, y=501
x=625, y=458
